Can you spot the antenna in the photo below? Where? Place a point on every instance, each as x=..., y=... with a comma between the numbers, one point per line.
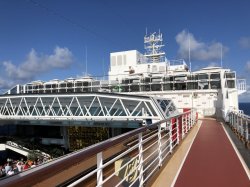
x=189, y=52
x=153, y=45
x=221, y=54
x=103, y=68
x=86, y=61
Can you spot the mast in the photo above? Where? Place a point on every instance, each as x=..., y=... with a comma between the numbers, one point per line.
x=190, y=66
x=221, y=55
x=86, y=61
x=153, y=45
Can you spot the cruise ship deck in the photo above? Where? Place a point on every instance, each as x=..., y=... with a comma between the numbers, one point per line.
x=200, y=154
x=207, y=157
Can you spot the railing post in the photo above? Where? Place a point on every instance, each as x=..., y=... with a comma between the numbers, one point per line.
x=234, y=123
x=171, y=137
x=189, y=121
x=159, y=146
x=230, y=118
x=182, y=121
x=191, y=118
x=186, y=122
x=177, y=130
x=242, y=126
x=140, y=168
x=238, y=123
x=247, y=130
x=99, y=167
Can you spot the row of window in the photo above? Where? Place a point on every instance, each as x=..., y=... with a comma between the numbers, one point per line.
x=138, y=88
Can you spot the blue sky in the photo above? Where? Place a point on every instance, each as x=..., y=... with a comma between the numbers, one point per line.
x=48, y=39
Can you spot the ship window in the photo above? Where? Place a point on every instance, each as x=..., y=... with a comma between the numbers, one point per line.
x=230, y=83
x=230, y=75
x=215, y=85
x=146, y=87
x=156, y=87
x=167, y=87
x=125, y=81
x=95, y=83
x=78, y=90
x=125, y=88
x=202, y=76
x=166, y=79
x=134, y=88
x=69, y=85
x=192, y=77
x=215, y=76
x=47, y=86
x=192, y=85
x=203, y=85
x=180, y=86
x=85, y=83
x=163, y=105
x=54, y=85
x=147, y=80
x=63, y=85
x=79, y=84
x=113, y=61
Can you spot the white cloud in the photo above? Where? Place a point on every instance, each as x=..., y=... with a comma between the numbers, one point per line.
x=198, y=50
x=34, y=65
x=213, y=64
x=244, y=42
x=4, y=84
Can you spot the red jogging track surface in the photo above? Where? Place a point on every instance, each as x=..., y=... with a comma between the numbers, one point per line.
x=212, y=161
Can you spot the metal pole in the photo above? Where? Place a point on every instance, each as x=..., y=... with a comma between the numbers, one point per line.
x=182, y=121
x=171, y=136
x=99, y=167
x=159, y=146
x=247, y=130
x=140, y=168
x=177, y=130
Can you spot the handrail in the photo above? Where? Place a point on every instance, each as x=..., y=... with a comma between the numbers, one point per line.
x=47, y=170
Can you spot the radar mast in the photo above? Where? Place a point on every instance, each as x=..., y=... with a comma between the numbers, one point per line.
x=153, y=45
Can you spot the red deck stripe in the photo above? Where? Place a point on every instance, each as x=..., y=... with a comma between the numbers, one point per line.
x=212, y=161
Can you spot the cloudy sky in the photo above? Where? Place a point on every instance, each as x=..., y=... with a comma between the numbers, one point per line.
x=43, y=40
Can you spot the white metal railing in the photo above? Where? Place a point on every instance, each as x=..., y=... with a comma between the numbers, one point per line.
x=241, y=124
x=145, y=154
x=241, y=86
x=130, y=159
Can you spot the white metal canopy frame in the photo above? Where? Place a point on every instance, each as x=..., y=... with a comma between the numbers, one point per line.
x=82, y=107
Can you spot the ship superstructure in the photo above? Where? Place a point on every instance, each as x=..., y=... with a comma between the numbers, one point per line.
x=211, y=90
